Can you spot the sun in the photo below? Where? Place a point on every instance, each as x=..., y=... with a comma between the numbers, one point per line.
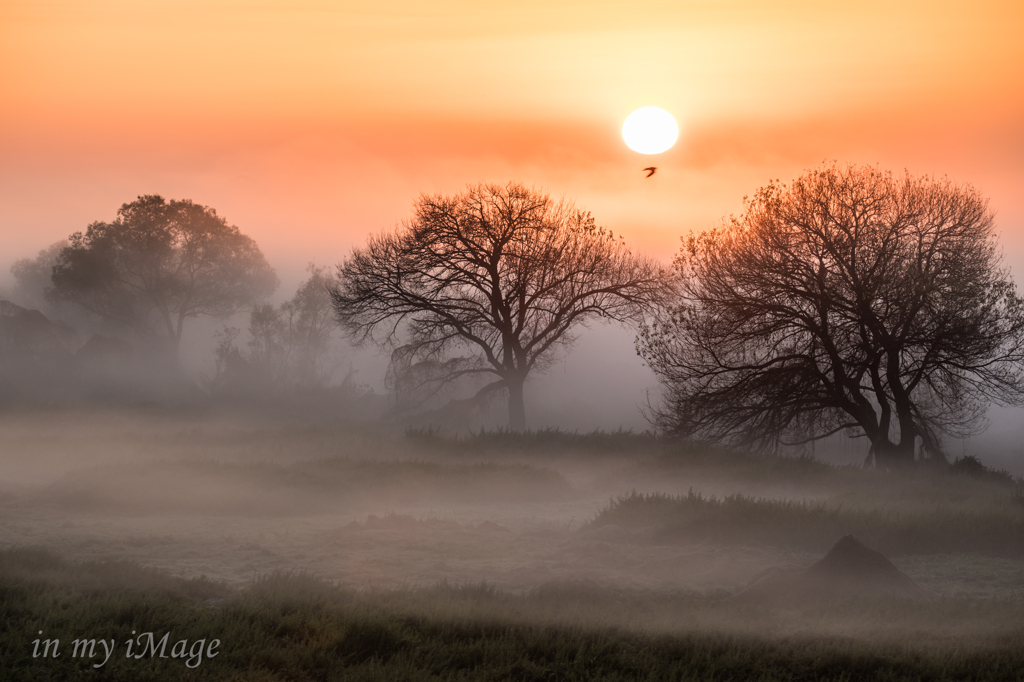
x=650, y=130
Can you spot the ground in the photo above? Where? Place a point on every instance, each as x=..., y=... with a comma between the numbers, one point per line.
x=622, y=531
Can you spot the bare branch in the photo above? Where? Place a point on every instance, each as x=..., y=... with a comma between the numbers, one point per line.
x=501, y=272
x=849, y=296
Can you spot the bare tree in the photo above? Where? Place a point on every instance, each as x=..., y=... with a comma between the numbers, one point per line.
x=490, y=283
x=850, y=299
x=159, y=264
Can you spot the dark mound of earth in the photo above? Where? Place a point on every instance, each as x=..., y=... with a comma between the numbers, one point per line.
x=849, y=569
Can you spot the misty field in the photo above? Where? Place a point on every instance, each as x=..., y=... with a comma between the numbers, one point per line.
x=314, y=550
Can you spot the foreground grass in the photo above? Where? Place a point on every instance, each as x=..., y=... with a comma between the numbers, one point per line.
x=294, y=627
x=742, y=520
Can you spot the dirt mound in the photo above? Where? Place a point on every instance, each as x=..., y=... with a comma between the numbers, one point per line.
x=849, y=569
x=852, y=566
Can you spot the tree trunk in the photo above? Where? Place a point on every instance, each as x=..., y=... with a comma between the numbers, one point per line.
x=889, y=455
x=516, y=405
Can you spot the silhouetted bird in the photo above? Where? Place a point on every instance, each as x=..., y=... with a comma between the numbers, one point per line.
x=651, y=170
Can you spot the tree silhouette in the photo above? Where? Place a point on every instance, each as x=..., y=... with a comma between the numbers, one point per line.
x=290, y=346
x=32, y=276
x=489, y=283
x=850, y=299
x=309, y=320
x=159, y=264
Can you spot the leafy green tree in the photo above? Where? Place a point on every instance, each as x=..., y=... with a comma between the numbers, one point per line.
x=159, y=264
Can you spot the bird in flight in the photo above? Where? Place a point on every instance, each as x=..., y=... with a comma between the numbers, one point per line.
x=651, y=170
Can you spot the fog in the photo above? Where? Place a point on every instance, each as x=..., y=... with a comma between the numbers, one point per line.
x=605, y=530
x=113, y=453
x=193, y=444
x=598, y=384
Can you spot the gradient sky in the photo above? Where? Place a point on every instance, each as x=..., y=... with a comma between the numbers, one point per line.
x=311, y=124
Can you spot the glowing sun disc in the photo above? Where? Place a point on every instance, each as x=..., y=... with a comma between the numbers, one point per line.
x=650, y=130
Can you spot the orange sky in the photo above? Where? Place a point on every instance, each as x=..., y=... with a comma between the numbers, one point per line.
x=310, y=123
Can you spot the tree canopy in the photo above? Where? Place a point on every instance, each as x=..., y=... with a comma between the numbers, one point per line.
x=489, y=283
x=159, y=264
x=851, y=299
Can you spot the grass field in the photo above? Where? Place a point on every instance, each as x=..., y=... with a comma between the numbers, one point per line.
x=318, y=551
x=296, y=627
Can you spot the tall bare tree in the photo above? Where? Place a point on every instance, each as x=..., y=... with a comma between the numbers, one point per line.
x=490, y=283
x=849, y=299
x=159, y=264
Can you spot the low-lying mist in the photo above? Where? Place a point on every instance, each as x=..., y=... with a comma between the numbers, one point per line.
x=394, y=530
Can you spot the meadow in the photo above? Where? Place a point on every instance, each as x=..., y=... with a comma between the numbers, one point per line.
x=319, y=550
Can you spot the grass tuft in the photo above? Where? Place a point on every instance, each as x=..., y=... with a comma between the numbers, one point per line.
x=743, y=520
